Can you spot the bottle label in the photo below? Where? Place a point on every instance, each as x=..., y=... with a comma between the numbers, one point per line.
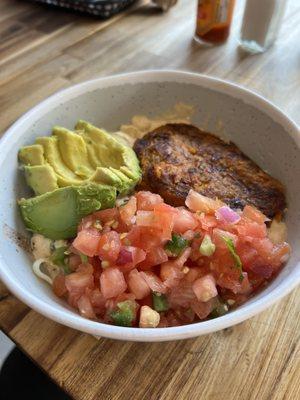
x=212, y=13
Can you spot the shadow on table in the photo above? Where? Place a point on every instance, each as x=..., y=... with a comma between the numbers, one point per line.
x=20, y=378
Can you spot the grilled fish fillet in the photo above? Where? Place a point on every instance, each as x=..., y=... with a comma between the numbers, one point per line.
x=177, y=157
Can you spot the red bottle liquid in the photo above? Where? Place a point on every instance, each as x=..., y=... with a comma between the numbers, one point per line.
x=213, y=20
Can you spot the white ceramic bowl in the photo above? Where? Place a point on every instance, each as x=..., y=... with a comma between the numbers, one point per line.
x=261, y=130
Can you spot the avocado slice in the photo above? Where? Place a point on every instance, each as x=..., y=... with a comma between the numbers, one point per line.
x=109, y=151
x=127, y=183
x=57, y=214
x=106, y=176
x=41, y=178
x=77, y=158
x=105, y=150
x=32, y=155
x=54, y=158
x=73, y=151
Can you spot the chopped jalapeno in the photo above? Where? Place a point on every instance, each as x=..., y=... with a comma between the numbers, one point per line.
x=124, y=314
x=176, y=245
x=160, y=302
x=236, y=258
x=207, y=247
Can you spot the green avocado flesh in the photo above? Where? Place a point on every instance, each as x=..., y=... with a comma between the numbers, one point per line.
x=57, y=214
x=71, y=158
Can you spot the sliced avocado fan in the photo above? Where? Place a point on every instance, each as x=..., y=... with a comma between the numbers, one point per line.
x=88, y=154
x=57, y=214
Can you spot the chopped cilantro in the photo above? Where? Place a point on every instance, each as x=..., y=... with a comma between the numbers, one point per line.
x=176, y=246
x=236, y=258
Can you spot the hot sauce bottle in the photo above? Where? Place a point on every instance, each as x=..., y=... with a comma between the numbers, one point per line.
x=214, y=20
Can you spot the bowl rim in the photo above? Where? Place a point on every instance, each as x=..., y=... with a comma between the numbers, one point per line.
x=74, y=320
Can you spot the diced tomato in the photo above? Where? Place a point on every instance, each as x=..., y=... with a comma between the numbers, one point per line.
x=196, y=202
x=254, y=214
x=155, y=284
x=207, y=221
x=144, y=237
x=74, y=261
x=97, y=300
x=202, y=309
x=189, y=235
x=187, y=316
x=252, y=229
x=193, y=274
x=86, y=222
x=181, y=295
x=129, y=257
x=59, y=285
x=247, y=254
x=165, y=215
x=218, y=238
x=234, y=284
x=87, y=241
x=85, y=307
x=85, y=268
x=125, y=257
x=154, y=256
x=127, y=212
x=108, y=215
x=124, y=297
x=205, y=288
x=173, y=319
x=137, y=284
x=161, y=219
x=109, y=246
x=184, y=221
x=77, y=282
x=147, y=200
x=170, y=274
x=262, y=270
x=147, y=218
x=181, y=260
x=263, y=247
x=112, y=283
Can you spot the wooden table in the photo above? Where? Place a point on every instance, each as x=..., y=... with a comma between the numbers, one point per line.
x=43, y=50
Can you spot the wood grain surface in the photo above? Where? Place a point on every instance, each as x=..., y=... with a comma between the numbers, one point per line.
x=43, y=50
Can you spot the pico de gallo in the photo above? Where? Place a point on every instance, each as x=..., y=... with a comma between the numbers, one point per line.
x=147, y=264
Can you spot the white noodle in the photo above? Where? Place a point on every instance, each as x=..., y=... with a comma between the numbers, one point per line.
x=51, y=270
x=36, y=269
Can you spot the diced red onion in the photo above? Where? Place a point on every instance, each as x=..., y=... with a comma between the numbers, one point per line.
x=125, y=257
x=227, y=215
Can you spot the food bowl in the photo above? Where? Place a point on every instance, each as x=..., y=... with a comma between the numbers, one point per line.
x=260, y=129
